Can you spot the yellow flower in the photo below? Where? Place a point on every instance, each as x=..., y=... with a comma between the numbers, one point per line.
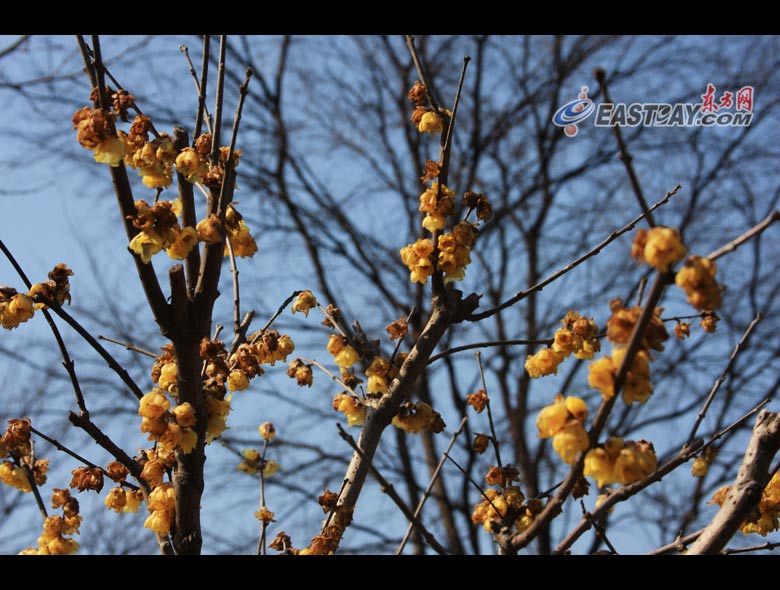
x=416, y=417
x=215, y=426
x=601, y=376
x=301, y=372
x=160, y=521
x=434, y=221
x=169, y=378
x=352, y=408
x=237, y=380
x=544, y=362
x=431, y=123
x=304, y=302
x=264, y=515
x=146, y=244
x=270, y=469
x=134, y=500
x=189, y=165
x=635, y=461
x=209, y=230
x=186, y=240
x=110, y=151
x=185, y=415
x=153, y=472
x=189, y=440
x=62, y=546
x=163, y=497
x=16, y=311
x=154, y=404
x=699, y=467
x=697, y=279
x=598, y=464
x=344, y=355
x=417, y=259
x=267, y=430
x=116, y=499
x=663, y=248
x=570, y=441
x=241, y=240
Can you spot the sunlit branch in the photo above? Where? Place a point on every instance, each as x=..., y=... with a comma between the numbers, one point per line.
x=388, y=488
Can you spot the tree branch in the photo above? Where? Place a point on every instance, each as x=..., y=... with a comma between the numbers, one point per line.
x=745, y=494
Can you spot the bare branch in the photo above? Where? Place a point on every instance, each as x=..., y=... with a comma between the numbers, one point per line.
x=719, y=381
x=388, y=488
x=746, y=491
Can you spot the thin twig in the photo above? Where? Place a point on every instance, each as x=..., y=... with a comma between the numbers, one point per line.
x=200, y=89
x=110, y=360
x=84, y=422
x=229, y=169
x=677, y=545
x=493, y=436
x=557, y=274
x=763, y=547
x=60, y=447
x=420, y=73
x=602, y=534
x=719, y=381
x=332, y=376
x=261, y=549
x=28, y=471
x=754, y=231
x=400, y=340
x=624, y=155
x=67, y=362
x=218, y=100
x=128, y=346
x=388, y=488
x=487, y=344
x=236, y=292
x=429, y=488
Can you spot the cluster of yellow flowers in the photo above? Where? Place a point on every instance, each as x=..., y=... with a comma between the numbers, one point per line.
x=602, y=373
x=505, y=506
x=660, y=247
x=221, y=374
x=697, y=279
x=254, y=462
x=53, y=540
x=577, y=336
x=564, y=422
x=16, y=308
x=352, y=408
x=160, y=230
x=155, y=160
x=380, y=373
x=18, y=460
x=453, y=249
x=619, y=461
x=418, y=416
x=344, y=354
x=766, y=517
x=327, y=542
